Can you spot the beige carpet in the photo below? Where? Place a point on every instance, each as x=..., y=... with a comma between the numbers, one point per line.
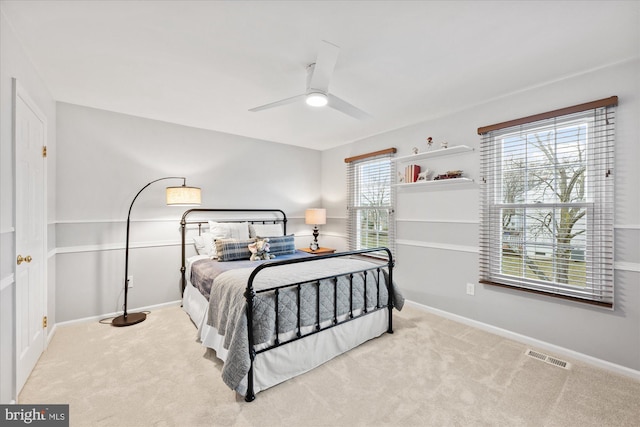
x=431, y=372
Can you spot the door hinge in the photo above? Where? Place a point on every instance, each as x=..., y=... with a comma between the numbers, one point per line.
x=44, y=151
x=44, y=322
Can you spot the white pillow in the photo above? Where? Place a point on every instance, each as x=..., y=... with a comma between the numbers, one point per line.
x=205, y=244
x=229, y=230
x=265, y=230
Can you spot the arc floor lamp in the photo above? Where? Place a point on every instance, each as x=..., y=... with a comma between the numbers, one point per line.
x=176, y=196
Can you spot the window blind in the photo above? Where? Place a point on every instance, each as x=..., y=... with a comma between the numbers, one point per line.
x=371, y=201
x=547, y=203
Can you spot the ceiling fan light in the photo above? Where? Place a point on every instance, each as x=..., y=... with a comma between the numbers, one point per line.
x=316, y=99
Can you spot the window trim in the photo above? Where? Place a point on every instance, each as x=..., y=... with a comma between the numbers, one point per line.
x=391, y=150
x=605, y=102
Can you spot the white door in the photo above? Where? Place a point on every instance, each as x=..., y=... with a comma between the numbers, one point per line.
x=30, y=228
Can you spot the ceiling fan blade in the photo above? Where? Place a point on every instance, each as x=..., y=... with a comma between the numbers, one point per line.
x=346, y=108
x=278, y=103
x=323, y=68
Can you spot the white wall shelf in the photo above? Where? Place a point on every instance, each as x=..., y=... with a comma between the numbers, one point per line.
x=435, y=183
x=426, y=185
x=456, y=149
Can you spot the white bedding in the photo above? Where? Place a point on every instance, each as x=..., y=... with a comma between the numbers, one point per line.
x=287, y=361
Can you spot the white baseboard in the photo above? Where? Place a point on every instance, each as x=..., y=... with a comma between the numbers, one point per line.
x=593, y=361
x=110, y=315
x=50, y=335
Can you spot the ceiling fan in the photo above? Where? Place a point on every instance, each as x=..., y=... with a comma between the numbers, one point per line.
x=317, y=93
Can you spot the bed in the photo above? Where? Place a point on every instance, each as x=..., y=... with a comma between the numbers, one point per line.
x=271, y=320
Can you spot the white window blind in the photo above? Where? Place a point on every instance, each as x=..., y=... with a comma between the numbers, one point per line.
x=547, y=203
x=371, y=200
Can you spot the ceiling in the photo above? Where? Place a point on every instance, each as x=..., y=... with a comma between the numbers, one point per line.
x=206, y=63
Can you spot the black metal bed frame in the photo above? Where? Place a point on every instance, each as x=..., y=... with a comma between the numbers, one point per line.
x=250, y=293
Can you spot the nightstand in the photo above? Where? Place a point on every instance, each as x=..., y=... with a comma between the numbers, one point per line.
x=319, y=251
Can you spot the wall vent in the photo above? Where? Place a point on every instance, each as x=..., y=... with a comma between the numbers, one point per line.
x=548, y=359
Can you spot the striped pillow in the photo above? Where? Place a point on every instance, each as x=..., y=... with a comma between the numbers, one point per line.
x=233, y=249
x=282, y=245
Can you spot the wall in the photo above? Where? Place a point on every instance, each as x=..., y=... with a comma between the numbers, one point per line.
x=437, y=231
x=105, y=158
x=14, y=63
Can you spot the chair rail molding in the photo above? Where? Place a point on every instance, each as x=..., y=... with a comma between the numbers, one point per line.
x=436, y=245
x=439, y=221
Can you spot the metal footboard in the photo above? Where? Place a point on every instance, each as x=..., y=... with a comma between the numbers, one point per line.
x=374, y=272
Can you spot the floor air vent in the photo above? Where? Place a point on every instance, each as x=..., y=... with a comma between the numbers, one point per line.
x=548, y=359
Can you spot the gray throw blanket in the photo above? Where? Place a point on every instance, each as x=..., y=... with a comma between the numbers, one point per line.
x=227, y=304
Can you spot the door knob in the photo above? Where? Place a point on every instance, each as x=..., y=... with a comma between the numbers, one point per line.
x=27, y=259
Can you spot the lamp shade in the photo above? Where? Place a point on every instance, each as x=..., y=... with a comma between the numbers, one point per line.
x=315, y=216
x=183, y=196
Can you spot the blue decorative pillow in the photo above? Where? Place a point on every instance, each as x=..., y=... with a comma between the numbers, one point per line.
x=233, y=249
x=282, y=245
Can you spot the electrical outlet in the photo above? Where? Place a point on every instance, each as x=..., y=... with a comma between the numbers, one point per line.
x=130, y=281
x=471, y=289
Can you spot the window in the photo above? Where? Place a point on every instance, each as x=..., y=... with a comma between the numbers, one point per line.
x=547, y=203
x=371, y=199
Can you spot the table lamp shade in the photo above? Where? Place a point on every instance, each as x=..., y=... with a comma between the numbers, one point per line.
x=315, y=216
x=183, y=196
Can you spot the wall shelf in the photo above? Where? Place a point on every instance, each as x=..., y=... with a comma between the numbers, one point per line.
x=456, y=149
x=435, y=183
x=426, y=185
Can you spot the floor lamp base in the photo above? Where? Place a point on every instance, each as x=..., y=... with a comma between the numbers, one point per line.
x=129, y=319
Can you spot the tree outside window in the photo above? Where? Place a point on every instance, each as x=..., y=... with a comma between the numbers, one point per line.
x=544, y=218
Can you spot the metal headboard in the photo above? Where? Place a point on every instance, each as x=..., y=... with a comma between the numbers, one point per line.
x=279, y=217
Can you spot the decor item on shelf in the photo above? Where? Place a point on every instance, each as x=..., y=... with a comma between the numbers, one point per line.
x=449, y=175
x=315, y=216
x=429, y=143
x=444, y=144
x=415, y=150
x=425, y=175
x=176, y=196
x=411, y=173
